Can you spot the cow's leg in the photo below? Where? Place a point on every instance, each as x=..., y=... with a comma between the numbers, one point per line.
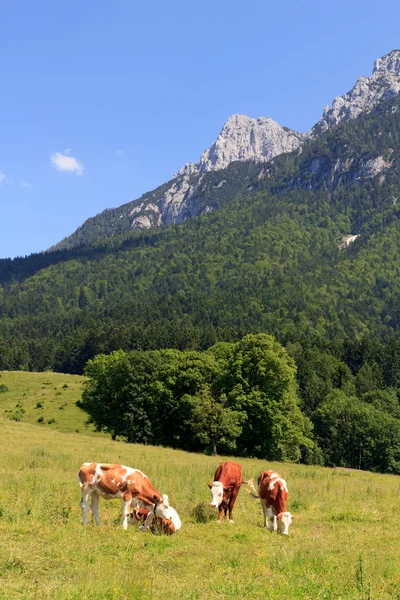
x=94, y=507
x=226, y=509
x=148, y=521
x=232, y=501
x=272, y=520
x=85, y=505
x=126, y=509
x=265, y=511
x=220, y=511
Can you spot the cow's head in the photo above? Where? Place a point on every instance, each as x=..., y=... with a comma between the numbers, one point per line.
x=219, y=493
x=164, y=511
x=283, y=520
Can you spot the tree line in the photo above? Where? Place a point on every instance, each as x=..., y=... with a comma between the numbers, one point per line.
x=240, y=398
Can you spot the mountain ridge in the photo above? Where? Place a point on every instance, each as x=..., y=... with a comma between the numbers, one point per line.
x=242, y=138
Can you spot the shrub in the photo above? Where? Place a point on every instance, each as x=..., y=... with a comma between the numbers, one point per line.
x=203, y=513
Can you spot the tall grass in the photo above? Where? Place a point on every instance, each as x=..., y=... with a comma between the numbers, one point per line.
x=344, y=542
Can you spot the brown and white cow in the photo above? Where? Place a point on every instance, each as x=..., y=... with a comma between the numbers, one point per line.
x=225, y=488
x=99, y=480
x=156, y=520
x=273, y=493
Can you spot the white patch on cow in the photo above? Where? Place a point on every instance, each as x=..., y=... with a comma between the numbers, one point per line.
x=130, y=471
x=274, y=479
x=217, y=493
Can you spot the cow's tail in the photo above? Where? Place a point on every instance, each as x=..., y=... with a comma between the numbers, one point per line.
x=250, y=483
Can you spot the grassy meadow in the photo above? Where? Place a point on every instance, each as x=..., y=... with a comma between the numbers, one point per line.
x=344, y=542
x=48, y=399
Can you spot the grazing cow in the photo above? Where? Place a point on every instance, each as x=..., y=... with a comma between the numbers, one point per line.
x=273, y=493
x=161, y=519
x=225, y=488
x=108, y=481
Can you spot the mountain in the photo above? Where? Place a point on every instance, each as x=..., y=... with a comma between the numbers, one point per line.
x=268, y=259
x=242, y=138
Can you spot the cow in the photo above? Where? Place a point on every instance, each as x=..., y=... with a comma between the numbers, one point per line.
x=100, y=480
x=225, y=488
x=273, y=493
x=161, y=519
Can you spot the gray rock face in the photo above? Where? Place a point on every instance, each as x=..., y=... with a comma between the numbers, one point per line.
x=383, y=84
x=244, y=138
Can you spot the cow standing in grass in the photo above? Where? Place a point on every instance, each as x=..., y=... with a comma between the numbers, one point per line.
x=225, y=488
x=273, y=493
x=99, y=480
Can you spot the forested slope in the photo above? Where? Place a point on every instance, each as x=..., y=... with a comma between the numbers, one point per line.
x=267, y=260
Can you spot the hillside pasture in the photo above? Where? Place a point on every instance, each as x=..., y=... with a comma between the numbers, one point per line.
x=48, y=399
x=344, y=542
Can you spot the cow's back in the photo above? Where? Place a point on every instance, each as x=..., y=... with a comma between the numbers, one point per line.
x=273, y=489
x=229, y=474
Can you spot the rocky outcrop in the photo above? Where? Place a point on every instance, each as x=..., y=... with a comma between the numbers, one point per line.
x=344, y=170
x=383, y=84
x=244, y=138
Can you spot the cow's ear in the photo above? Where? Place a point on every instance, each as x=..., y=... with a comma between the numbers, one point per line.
x=293, y=516
x=279, y=517
x=156, y=499
x=209, y=485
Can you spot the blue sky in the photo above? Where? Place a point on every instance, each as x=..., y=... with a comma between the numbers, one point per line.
x=102, y=101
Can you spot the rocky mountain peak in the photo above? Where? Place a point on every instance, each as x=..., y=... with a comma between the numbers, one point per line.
x=389, y=62
x=367, y=92
x=245, y=138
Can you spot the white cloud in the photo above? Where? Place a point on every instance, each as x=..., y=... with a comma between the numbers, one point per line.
x=64, y=162
x=5, y=179
x=25, y=184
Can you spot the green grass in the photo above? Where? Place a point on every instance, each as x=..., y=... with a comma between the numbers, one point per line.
x=344, y=542
x=45, y=398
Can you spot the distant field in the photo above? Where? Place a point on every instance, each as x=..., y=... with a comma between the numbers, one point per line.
x=344, y=543
x=45, y=398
